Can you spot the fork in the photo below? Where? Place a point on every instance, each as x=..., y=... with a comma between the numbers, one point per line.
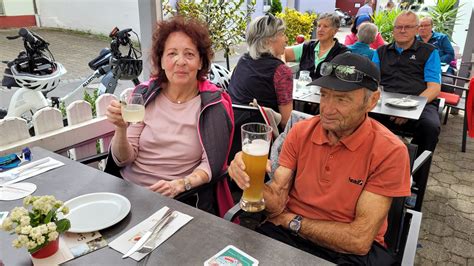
x=150, y=243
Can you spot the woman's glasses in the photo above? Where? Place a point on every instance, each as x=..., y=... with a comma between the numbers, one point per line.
x=343, y=72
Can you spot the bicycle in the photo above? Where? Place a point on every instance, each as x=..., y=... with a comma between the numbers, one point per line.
x=36, y=73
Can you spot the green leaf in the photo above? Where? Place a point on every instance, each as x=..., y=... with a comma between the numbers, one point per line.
x=63, y=225
x=48, y=217
x=33, y=250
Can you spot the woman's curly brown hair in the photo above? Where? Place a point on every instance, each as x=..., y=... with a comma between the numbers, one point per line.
x=198, y=33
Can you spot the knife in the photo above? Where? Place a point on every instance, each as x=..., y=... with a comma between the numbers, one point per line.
x=147, y=234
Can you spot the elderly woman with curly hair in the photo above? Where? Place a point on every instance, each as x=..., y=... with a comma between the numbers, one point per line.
x=184, y=139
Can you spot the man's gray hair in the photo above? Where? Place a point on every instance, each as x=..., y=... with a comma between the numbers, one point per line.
x=429, y=19
x=260, y=32
x=408, y=13
x=332, y=17
x=367, y=32
x=367, y=94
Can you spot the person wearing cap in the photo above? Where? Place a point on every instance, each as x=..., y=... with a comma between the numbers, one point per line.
x=411, y=67
x=311, y=54
x=352, y=37
x=337, y=173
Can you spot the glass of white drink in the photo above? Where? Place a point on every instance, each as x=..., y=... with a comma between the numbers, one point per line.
x=133, y=108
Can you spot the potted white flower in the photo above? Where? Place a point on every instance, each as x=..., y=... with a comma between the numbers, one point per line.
x=37, y=229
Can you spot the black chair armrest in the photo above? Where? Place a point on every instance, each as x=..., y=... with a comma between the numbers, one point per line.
x=420, y=161
x=454, y=77
x=233, y=213
x=93, y=158
x=454, y=86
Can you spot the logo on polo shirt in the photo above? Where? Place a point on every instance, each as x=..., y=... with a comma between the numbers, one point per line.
x=356, y=181
x=412, y=57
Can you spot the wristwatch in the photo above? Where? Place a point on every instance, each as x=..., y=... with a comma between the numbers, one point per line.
x=295, y=224
x=187, y=184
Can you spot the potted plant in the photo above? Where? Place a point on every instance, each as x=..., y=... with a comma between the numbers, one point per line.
x=37, y=229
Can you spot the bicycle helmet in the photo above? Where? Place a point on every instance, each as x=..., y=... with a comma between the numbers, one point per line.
x=39, y=82
x=219, y=75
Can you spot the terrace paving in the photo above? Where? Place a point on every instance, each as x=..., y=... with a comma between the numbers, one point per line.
x=447, y=233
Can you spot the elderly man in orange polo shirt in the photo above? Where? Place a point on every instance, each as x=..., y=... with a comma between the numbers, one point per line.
x=338, y=172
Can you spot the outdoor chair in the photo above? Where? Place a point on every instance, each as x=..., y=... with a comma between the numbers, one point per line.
x=403, y=222
x=464, y=103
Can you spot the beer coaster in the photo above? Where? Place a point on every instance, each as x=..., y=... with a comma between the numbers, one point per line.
x=231, y=255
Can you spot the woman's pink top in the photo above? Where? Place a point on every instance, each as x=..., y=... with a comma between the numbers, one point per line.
x=166, y=145
x=352, y=38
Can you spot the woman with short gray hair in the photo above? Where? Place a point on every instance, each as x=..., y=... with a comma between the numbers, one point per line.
x=312, y=54
x=260, y=74
x=366, y=35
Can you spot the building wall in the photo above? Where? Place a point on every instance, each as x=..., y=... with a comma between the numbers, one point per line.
x=17, y=13
x=317, y=6
x=18, y=7
x=89, y=15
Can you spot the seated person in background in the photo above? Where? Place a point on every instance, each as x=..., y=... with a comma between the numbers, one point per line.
x=311, y=54
x=185, y=136
x=366, y=9
x=366, y=35
x=338, y=172
x=412, y=67
x=438, y=39
x=442, y=43
x=352, y=37
x=260, y=74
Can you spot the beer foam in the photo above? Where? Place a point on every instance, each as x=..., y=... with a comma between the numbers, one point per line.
x=258, y=147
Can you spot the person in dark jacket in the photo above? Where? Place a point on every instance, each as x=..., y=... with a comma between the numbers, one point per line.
x=311, y=54
x=260, y=74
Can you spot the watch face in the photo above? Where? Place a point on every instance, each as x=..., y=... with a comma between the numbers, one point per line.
x=295, y=224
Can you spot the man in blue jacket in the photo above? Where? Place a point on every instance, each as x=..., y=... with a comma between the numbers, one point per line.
x=442, y=43
x=439, y=40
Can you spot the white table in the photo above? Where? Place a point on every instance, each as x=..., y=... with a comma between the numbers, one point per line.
x=411, y=113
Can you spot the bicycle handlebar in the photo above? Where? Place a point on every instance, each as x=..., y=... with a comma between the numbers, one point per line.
x=26, y=34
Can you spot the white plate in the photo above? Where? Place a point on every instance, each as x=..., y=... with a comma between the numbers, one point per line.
x=402, y=102
x=96, y=211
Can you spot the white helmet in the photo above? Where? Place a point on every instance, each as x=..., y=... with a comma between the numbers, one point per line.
x=219, y=75
x=39, y=82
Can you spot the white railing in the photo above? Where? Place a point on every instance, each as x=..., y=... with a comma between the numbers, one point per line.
x=77, y=139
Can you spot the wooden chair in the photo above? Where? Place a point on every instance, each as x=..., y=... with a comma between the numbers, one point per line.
x=454, y=101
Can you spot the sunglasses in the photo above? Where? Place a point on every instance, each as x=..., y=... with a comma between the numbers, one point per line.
x=270, y=18
x=344, y=73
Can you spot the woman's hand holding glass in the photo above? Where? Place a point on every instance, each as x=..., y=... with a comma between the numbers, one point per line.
x=114, y=114
x=133, y=108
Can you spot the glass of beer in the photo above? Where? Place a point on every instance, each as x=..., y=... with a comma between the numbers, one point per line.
x=133, y=108
x=256, y=138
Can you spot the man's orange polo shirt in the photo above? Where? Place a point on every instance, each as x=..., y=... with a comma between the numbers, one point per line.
x=329, y=179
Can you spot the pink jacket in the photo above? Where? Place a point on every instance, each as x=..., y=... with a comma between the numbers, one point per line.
x=352, y=38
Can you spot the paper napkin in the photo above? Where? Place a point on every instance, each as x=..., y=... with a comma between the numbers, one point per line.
x=124, y=242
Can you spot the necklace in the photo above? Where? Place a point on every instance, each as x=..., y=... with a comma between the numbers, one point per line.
x=186, y=98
